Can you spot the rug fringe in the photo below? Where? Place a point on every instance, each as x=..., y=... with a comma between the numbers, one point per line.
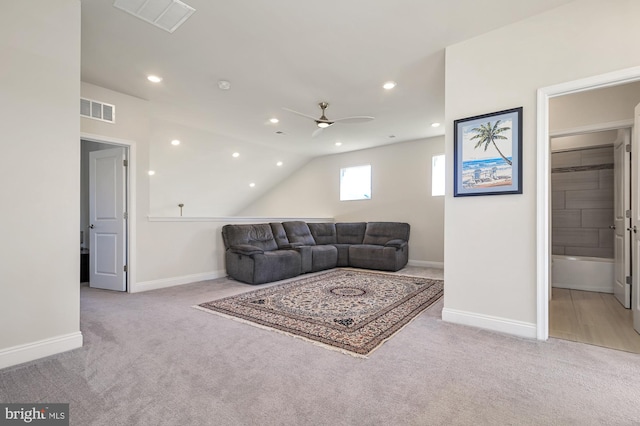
x=315, y=342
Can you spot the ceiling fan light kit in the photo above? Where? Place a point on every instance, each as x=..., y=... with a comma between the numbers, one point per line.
x=323, y=122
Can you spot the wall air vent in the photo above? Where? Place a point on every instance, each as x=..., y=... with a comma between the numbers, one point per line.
x=165, y=14
x=97, y=110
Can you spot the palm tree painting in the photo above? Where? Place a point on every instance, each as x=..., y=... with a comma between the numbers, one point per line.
x=488, y=154
x=488, y=134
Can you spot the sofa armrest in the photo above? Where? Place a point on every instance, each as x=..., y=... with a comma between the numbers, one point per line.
x=396, y=244
x=305, y=257
x=291, y=246
x=246, y=249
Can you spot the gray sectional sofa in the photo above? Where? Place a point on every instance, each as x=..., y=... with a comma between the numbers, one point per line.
x=265, y=252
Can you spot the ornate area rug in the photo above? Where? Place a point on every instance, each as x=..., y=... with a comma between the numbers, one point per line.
x=347, y=310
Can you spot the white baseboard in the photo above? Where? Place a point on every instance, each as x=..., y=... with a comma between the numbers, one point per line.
x=426, y=264
x=603, y=288
x=503, y=325
x=170, y=282
x=42, y=348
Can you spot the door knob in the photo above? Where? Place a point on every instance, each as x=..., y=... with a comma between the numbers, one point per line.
x=634, y=229
x=91, y=226
x=612, y=227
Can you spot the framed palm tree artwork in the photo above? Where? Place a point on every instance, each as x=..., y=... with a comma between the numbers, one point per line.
x=487, y=155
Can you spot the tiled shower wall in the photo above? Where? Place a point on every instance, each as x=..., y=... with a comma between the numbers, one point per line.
x=582, y=185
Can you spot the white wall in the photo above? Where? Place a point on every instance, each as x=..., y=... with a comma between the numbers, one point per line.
x=163, y=250
x=600, y=106
x=202, y=174
x=39, y=171
x=401, y=191
x=584, y=140
x=490, y=250
x=167, y=251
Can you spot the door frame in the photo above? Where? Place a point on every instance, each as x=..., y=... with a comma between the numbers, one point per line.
x=543, y=184
x=131, y=200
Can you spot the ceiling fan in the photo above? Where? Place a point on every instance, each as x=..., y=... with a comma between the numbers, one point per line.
x=323, y=122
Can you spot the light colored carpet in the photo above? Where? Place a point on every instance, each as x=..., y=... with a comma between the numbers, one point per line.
x=151, y=359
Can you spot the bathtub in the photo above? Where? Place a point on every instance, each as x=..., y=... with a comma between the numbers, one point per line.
x=582, y=273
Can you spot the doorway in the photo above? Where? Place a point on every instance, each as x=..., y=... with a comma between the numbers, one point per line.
x=599, y=122
x=590, y=187
x=104, y=230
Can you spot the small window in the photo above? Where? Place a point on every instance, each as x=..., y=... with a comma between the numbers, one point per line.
x=437, y=175
x=355, y=183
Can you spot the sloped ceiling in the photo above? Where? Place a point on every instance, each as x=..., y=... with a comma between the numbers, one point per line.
x=294, y=54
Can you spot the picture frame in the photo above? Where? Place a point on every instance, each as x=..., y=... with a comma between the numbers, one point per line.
x=487, y=154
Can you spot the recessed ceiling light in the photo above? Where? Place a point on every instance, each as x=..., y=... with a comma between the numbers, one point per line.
x=154, y=78
x=175, y=142
x=279, y=164
x=279, y=132
x=389, y=85
x=151, y=172
x=235, y=155
x=435, y=124
x=392, y=136
x=338, y=143
x=274, y=120
x=252, y=185
x=224, y=84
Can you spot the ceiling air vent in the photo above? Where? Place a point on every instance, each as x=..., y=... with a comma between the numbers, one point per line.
x=97, y=110
x=165, y=14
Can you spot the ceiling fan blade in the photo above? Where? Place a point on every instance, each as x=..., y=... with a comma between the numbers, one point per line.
x=300, y=114
x=317, y=131
x=356, y=119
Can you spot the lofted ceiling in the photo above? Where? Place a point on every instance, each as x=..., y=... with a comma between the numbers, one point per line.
x=293, y=54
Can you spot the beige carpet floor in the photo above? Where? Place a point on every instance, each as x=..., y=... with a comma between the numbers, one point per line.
x=151, y=359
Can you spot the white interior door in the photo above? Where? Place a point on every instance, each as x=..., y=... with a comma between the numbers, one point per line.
x=622, y=204
x=635, y=220
x=107, y=206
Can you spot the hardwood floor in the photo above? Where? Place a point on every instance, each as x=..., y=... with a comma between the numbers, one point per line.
x=594, y=318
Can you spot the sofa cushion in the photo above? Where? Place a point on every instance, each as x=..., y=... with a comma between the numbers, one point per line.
x=343, y=254
x=350, y=232
x=323, y=257
x=298, y=232
x=263, y=268
x=258, y=235
x=370, y=256
x=380, y=233
x=280, y=235
x=323, y=233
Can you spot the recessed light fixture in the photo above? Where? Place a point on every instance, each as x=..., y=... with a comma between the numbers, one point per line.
x=151, y=172
x=279, y=132
x=435, y=124
x=251, y=185
x=338, y=143
x=224, y=84
x=175, y=142
x=274, y=120
x=279, y=164
x=154, y=78
x=392, y=136
x=235, y=155
x=389, y=85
